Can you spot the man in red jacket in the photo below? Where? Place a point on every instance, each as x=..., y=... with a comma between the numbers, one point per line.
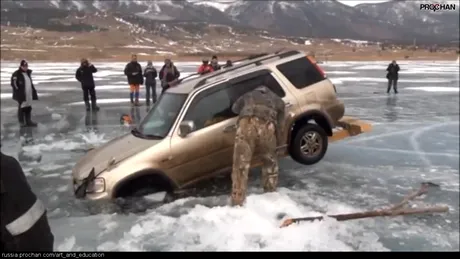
x=205, y=67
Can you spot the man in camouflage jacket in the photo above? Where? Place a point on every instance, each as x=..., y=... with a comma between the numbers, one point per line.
x=259, y=130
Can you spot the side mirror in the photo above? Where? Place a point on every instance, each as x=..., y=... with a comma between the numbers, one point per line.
x=185, y=128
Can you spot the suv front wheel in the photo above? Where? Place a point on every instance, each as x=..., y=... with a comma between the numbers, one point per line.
x=309, y=144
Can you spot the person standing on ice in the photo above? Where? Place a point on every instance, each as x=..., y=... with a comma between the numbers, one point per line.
x=25, y=227
x=150, y=74
x=24, y=93
x=168, y=75
x=205, y=67
x=259, y=130
x=392, y=76
x=133, y=71
x=84, y=75
x=215, y=63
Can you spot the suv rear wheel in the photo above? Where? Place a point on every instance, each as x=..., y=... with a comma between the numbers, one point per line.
x=309, y=144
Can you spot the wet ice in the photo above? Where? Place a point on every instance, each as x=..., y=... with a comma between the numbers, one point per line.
x=415, y=138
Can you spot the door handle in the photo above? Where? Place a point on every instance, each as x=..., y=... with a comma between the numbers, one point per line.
x=230, y=128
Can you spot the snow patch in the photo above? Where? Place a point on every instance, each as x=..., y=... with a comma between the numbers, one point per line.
x=139, y=47
x=215, y=4
x=104, y=101
x=438, y=89
x=10, y=95
x=252, y=227
x=165, y=52
x=28, y=50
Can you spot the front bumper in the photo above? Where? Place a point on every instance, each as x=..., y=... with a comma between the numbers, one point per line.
x=349, y=127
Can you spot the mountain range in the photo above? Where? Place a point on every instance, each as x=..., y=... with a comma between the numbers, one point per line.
x=393, y=21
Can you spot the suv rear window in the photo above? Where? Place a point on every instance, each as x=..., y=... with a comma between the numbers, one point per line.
x=301, y=72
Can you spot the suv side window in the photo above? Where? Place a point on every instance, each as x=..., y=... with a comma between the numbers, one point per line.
x=240, y=88
x=300, y=72
x=209, y=109
x=215, y=106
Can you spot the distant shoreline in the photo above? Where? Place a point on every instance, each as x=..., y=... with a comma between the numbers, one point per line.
x=222, y=59
x=124, y=56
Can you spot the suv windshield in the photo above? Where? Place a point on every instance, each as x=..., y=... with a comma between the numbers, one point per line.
x=161, y=117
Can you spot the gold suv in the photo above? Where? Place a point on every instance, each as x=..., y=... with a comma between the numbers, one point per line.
x=188, y=134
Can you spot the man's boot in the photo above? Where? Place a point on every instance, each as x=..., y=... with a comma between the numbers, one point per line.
x=94, y=106
x=131, y=98
x=29, y=122
x=21, y=117
x=88, y=107
x=147, y=95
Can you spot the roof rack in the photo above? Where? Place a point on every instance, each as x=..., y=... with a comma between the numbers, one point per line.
x=251, y=57
x=257, y=61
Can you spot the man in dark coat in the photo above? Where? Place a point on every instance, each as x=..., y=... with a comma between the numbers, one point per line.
x=168, y=75
x=24, y=93
x=24, y=223
x=84, y=75
x=259, y=131
x=133, y=71
x=228, y=64
x=150, y=74
x=392, y=76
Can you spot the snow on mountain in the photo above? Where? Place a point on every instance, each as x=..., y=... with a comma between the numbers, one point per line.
x=423, y=23
x=388, y=21
x=221, y=5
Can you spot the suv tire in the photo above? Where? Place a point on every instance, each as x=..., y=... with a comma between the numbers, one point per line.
x=302, y=151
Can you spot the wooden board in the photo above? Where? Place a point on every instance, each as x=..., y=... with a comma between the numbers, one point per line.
x=349, y=127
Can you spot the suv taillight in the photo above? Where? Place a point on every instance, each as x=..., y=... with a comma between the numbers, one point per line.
x=320, y=70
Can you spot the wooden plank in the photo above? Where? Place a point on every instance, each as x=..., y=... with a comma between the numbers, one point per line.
x=350, y=127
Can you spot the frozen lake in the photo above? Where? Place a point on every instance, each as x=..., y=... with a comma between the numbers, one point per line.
x=415, y=139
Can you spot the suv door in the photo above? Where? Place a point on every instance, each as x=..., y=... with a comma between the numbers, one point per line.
x=209, y=149
x=205, y=150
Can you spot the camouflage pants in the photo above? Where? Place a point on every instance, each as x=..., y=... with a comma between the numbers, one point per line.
x=253, y=136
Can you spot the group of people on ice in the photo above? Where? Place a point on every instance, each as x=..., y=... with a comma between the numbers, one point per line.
x=168, y=76
x=24, y=91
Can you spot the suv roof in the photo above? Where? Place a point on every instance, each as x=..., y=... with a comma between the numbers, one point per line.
x=246, y=66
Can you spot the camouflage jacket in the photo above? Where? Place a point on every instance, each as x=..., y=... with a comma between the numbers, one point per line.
x=264, y=104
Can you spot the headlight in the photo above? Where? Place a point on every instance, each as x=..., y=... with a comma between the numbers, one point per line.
x=96, y=186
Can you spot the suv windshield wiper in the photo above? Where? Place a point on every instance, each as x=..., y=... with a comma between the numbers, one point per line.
x=139, y=134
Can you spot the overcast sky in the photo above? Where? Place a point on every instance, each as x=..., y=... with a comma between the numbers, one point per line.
x=355, y=2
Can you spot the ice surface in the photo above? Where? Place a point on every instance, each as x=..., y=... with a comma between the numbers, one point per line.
x=415, y=138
